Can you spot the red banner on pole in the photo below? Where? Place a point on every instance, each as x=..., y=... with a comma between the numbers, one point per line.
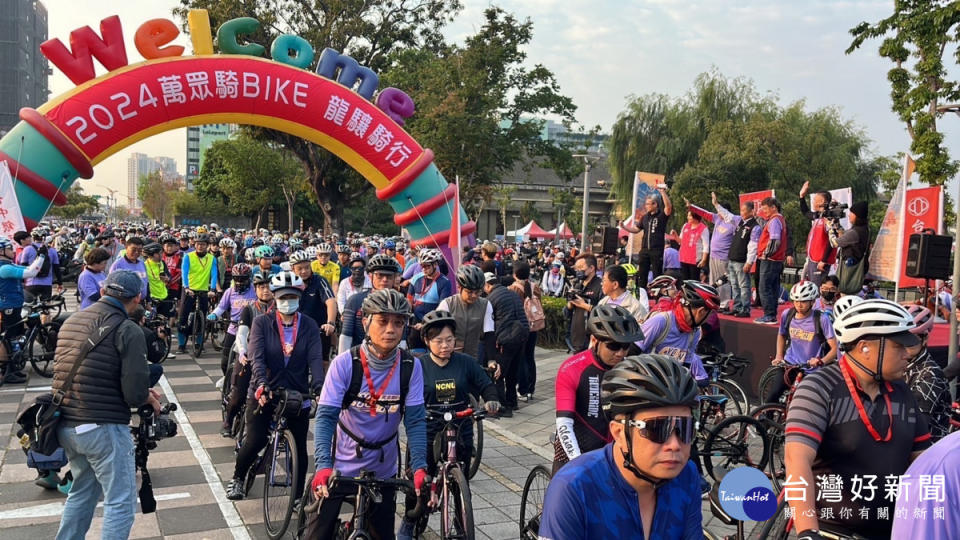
x=922, y=209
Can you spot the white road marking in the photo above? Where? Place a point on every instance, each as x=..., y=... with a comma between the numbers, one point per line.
x=55, y=509
x=229, y=512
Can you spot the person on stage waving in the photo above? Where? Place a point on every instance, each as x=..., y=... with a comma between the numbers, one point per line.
x=369, y=389
x=285, y=352
x=449, y=378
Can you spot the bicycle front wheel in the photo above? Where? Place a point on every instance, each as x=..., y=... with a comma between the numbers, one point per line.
x=279, y=486
x=771, y=376
x=773, y=417
x=736, y=441
x=531, y=502
x=43, y=343
x=456, y=523
x=477, y=454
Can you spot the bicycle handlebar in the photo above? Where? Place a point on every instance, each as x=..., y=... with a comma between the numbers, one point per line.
x=366, y=480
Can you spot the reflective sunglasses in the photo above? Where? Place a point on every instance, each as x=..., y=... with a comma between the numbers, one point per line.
x=659, y=429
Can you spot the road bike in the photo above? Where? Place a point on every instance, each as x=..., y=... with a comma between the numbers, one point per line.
x=531, y=501
x=38, y=342
x=773, y=417
x=449, y=491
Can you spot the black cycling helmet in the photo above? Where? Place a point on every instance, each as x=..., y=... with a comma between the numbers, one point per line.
x=152, y=249
x=437, y=318
x=168, y=239
x=470, y=277
x=205, y=238
x=613, y=323
x=383, y=263
x=386, y=301
x=696, y=294
x=647, y=381
x=261, y=279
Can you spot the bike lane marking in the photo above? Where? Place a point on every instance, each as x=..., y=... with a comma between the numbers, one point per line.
x=230, y=515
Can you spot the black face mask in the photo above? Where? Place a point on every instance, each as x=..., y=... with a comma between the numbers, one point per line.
x=581, y=275
x=356, y=274
x=829, y=296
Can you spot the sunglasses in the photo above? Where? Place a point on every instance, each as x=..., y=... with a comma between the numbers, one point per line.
x=659, y=429
x=614, y=346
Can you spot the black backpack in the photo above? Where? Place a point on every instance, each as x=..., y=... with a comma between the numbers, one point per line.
x=353, y=391
x=818, y=330
x=44, y=266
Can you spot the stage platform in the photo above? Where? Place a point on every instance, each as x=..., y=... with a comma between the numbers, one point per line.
x=758, y=344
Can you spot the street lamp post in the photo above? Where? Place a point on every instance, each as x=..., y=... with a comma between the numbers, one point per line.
x=587, y=158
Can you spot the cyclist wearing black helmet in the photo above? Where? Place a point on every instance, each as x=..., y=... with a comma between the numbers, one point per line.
x=383, y=272
x=157, y=277
x=581, y=426
x=643, y=481
x=449, y=378
x=367, y=391
x=473, y=315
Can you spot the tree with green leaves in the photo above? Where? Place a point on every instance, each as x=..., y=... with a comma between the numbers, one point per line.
x=77, y=205
x=156, y=196
x=920, y=38
x=249, y=175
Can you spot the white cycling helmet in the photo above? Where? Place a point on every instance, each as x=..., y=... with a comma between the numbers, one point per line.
x=430, y=256
x=324, y=248
x=844, y=303
x=227, y=243
x=311, y=252
x=286, y=282
x=880, y=318
x=299, y=257
x=804, y=291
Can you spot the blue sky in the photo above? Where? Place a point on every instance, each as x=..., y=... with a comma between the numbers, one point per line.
x=603, y=51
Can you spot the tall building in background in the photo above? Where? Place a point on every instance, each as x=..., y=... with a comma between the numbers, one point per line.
x=199, y=140
x=141, y=164
x=23, y=70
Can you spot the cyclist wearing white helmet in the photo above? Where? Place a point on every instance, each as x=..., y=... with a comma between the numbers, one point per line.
x=324, y=267
x=805, y=337
x=428, y=287
x=285, y=352
x=853, y=418
x=225, y=262
x=357, y=280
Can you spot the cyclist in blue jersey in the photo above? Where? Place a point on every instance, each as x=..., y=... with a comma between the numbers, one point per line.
x=642, y=485
x=11, y=303
x=428, y=287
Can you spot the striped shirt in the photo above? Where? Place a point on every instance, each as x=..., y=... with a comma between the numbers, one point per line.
x=824, y=416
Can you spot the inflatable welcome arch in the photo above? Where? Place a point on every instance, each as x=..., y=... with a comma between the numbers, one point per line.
x=63, y=139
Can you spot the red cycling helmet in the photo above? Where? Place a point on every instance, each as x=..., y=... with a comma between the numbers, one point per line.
x=696, y=294
x=240, y=270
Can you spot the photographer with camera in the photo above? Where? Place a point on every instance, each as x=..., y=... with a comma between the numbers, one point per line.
x=101, y=384
x=821, y=253
x=852, y=244
x=585, y=292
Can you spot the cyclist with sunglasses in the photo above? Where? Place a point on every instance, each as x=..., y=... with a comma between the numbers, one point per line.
x=581, y=425
x=643, y=480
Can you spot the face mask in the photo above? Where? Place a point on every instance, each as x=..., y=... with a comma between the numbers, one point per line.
x=581, y=274
x=829, y=296
x=555, y=270
x=288, y=307
x=357, y=274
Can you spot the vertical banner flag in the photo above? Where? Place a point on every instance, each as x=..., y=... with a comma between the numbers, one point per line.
x=756, y=197
x=884, y=262
x=922, y=209
x=644, y=184
x=455, y=250
x=11, y=219
x=842, y=196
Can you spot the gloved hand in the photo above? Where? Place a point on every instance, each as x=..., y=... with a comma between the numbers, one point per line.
x=319, y=483
x=261, y=395
x=419, y=477
x=211, y=316
x=492, y=406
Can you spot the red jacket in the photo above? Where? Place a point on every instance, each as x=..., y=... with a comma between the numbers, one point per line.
x=781, y=253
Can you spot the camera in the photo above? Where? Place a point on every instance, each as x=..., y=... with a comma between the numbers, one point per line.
x=154, y=427
x=835, y=210
x=574, y=289
x=721, y=281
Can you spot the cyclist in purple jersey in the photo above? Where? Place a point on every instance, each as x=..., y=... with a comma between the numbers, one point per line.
x=234, y=300
x=642, y=485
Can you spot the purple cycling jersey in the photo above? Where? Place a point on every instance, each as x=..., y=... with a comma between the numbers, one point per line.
x=235, y=302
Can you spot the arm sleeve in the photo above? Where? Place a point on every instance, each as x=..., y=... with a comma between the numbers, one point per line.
x=257, y=355
x=316, y=352
x=704, y=243
x=185, y=271
x=33, y=269
x=213, y=275
x=134, y=373
x=350, y=321
x=567, y=437
x=443, y=288
x=415, y=424
x=323, y=432
x=752, y=249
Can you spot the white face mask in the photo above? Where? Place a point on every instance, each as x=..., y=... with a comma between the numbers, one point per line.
x=288, y=306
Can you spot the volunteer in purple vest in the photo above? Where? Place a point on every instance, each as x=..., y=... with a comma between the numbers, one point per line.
x=694, y=247
x=131, y=261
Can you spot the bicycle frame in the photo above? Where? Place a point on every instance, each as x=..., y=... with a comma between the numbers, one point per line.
x=441, y=482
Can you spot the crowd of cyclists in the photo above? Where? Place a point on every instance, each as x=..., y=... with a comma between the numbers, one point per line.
x=373, y=333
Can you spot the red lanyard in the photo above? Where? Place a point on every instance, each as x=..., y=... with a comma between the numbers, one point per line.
x=425, y=287
x=288, y=347
x=847, y=378
x=375, y=394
